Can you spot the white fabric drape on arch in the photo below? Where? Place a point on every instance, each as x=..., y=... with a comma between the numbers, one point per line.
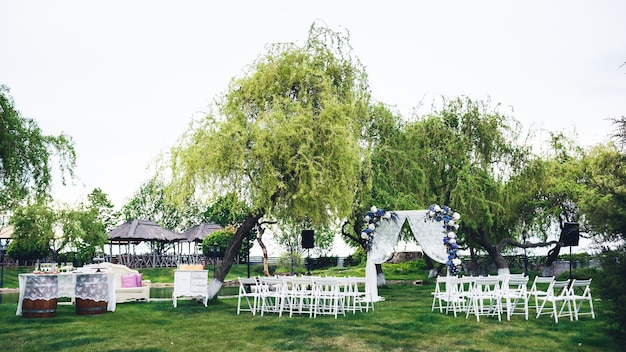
x=428, y=234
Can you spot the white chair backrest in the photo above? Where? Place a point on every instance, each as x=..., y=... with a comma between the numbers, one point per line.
x=580, y=288
x=517, y=283
x=559, y=289
x=246, y=281
x=489, y=284
x=541, y=283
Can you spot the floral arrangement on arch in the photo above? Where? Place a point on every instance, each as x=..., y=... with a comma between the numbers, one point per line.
x=450, y=220
x=371, y=221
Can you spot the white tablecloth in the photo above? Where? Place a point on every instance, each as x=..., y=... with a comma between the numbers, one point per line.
x=95, y=286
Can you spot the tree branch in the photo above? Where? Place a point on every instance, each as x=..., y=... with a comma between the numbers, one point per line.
x=345, y=234
x=509, y=241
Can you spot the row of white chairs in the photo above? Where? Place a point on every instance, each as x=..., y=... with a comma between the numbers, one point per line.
x=310, y=295
x=509, y=294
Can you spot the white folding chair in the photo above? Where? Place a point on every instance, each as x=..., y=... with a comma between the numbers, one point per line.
x=515, y=295
x=249, y=291
x=441, y=294
x=459, y=290
x=348, y=294
x=579, y=293
x=485, y=298
x=299, y=296
x=538, y=289
x=361, y=297
x=558, y=293
x=327, y=297
x=272, y=295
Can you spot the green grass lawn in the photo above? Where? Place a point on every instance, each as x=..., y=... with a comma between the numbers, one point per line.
x=403, y=322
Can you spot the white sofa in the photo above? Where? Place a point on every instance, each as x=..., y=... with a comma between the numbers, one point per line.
x=125, y=294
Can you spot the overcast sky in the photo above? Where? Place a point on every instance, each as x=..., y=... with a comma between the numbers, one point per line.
x=124, y=78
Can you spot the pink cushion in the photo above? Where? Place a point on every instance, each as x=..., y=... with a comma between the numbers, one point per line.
x=129, y=280
x=138, y=278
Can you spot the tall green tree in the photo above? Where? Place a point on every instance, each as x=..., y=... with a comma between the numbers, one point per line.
x=388, y=175
x=604, y=202
x=150, y=203
x=546, y=194
x=284, y=137
x=85, y=227
x=43, y=232
x=33, y=234
x=26, y=156
x=468, y=151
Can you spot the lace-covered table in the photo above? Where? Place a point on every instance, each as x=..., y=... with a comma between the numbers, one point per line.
x=47, y=288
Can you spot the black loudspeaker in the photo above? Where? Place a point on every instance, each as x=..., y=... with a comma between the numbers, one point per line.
x=570, y=234
x=307, y=239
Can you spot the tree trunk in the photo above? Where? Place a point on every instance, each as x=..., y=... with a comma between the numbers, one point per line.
x=553, y=255
x=482, y=238
x=266, y=266
x=231, y=252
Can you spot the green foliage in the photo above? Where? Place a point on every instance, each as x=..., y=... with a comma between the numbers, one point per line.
x=285, y=135
x=150, y=203
x=604, y=202
x=461, y=155
x=398, y=176
x=611, y=287
x=320, y=263
x=357, y=258
x=99, y=203
x=26, y=156
x=257, y=270
x=548, y=189
x=219, y=238
x=33, y=232
x=227, y=210
x=82, y=230
x=287, y=260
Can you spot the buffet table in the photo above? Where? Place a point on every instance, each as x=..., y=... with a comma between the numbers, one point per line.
x=46, y=288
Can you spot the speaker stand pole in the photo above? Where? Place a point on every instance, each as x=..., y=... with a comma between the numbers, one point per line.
x=570, y=263
x=308, y=260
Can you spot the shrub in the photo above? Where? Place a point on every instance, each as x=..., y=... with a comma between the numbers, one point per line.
x=285, y=260
x=612, y=288
x=322, y=262
x=357, y=258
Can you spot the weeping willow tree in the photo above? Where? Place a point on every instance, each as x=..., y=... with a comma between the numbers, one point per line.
x=284, y=137
x=468, y=151
x=27, y=156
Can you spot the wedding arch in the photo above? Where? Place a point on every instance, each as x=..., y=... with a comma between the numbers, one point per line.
x=427, y=232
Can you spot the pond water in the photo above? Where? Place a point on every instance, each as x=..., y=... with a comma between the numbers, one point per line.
x=155, y=292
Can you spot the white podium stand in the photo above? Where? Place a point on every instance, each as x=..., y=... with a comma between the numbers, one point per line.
x=191, y=283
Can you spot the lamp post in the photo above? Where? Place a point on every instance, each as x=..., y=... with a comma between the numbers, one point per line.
x=214, y=249
x=248, y=252
x=524, y=236
x=3, y=249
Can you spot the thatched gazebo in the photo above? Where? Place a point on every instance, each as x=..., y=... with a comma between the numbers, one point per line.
x=197, y=233
x=137, y=231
